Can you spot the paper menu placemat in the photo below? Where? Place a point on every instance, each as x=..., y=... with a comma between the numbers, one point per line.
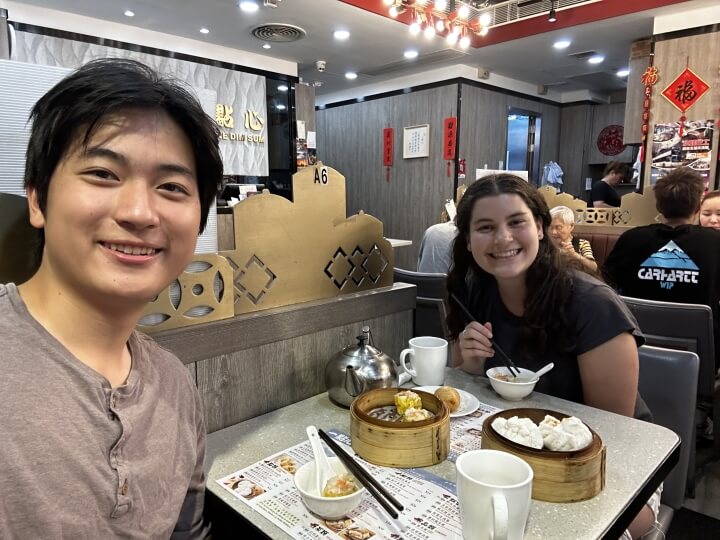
x=431, y=508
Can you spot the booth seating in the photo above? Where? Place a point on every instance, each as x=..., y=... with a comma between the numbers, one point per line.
x=430, y=312
x=685, y=327
x=673, y=407
x=602, y=238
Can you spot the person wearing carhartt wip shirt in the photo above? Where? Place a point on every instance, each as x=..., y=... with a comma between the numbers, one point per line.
x=673, y=261
x=102, y=433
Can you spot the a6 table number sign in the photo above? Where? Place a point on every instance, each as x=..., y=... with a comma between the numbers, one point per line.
x=321, y=176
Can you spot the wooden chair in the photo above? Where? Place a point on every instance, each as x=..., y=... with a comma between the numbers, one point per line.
x=430, y=312
x=673, y=407
x=685, y=327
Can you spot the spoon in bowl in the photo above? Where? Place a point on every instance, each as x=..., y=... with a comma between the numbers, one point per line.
x=323, y=470
x=542, y=371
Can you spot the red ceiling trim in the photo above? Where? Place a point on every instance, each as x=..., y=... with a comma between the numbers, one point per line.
x=597, y=11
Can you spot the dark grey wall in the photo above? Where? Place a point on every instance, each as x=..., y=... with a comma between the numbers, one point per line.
x=350, y=139
x=575, y=122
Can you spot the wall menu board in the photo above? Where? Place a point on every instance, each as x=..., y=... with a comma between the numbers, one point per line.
x=416, y=141
x=693, y=149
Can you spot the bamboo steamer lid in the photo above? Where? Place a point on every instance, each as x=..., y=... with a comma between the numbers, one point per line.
x=558, y=476
x=399, y=444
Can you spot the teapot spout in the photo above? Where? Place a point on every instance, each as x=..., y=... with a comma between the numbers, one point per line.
x=354, y=383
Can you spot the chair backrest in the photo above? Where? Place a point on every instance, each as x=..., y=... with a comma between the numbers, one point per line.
x=430, y=308
x=685, y=327
x=668, y=379
x=18, y=240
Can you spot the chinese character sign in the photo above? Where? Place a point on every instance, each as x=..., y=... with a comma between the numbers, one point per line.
x=223, y=116
x=685, y=90
x=450, y=138
x=388, y=143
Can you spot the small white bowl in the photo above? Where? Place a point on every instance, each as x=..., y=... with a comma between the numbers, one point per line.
x=325, y=507
x=512, y=391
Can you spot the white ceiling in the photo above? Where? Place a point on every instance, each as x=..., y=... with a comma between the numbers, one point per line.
x=377, y=42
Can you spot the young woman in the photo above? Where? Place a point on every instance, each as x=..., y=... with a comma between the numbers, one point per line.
x=710, y=210
x=521, y=293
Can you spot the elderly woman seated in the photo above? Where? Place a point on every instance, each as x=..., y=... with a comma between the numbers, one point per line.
x=561, y=228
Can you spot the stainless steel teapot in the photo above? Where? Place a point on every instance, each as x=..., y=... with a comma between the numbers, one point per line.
x=358, y=368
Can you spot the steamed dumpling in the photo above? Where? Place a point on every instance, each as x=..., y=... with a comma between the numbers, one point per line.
x=567, y=435
x=520, y=430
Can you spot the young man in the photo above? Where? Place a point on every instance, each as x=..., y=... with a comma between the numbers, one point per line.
x=102, y=432
x=673, y=261
x=603, y=194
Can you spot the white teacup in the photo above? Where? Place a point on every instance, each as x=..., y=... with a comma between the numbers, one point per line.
x=494, y=490
x=429, y=358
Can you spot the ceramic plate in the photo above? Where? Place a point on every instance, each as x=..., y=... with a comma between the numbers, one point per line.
x=468, y=402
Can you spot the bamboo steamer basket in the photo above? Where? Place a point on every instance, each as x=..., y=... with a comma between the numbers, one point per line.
x=558, y=476
x=399, y=444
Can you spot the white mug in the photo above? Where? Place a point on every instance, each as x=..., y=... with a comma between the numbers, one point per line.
x=429, y=358
x=494, y=490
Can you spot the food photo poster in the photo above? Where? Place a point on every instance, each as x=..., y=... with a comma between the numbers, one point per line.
x=693, y=149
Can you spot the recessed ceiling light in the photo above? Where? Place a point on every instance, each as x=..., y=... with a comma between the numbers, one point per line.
x=204, y=31
x=129, y=13
x=351, y=75
x=562, y=44
x=283, y=88
x=410, y=54
x=248, y=6
x=280, y=107
x=267, y=46
x=341, y=34
x=597, y=59
x=623, y=72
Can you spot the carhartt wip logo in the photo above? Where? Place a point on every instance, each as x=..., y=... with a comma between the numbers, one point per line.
x=669, y=265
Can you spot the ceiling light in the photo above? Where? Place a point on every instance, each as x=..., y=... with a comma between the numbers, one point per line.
x=485, y=19
x=484, y=31
x=463, y=11
x=204, y=31
x=552, y=16
x=129, y=13
x=440, y=5
x=283, y=88
x=267, y=46
x=351, y=75
x=341, y=34
x=410, y=54
x=440, y=25
x=249, y=6
x=429, y=32
x=464, y=42
x=451, y=38
x=388, y=2
x=598, y=58
x=562, y=44
x=415, y=28
x=397, y=9
x=280, y=107
x=623, y=72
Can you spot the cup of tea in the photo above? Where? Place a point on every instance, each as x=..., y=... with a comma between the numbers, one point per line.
x=494, y=490
x=428, y=360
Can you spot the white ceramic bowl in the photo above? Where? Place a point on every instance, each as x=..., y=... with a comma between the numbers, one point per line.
x=325, y=507
x=512, y=391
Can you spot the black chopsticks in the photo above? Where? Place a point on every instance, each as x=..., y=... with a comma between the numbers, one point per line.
x=509, y=364
x=373, y=486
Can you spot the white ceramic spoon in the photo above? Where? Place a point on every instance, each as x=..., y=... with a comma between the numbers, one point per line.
x=542, y=371
x=323, y=470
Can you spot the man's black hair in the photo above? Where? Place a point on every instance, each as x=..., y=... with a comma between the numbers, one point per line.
x=77, y=106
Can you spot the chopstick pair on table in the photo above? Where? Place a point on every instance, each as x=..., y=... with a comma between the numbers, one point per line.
x=509, y=364
x=381, y=495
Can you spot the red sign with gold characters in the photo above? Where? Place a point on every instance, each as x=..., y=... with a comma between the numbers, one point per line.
x=610, y=140
x=450, y=138
x=684, y=91
x=388, y=147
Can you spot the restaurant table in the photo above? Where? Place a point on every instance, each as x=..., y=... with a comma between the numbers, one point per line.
x=639, y=457
x=396, y=242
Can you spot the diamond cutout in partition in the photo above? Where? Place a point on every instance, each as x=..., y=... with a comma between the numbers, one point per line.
x=254, y=280
x=339, y=268
x=357, y=274
x=375, y=264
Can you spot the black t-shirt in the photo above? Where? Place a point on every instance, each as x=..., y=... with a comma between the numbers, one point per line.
x=602, y=191
x=598, y=315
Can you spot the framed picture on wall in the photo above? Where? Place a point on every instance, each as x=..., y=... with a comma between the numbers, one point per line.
x=416, y=141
